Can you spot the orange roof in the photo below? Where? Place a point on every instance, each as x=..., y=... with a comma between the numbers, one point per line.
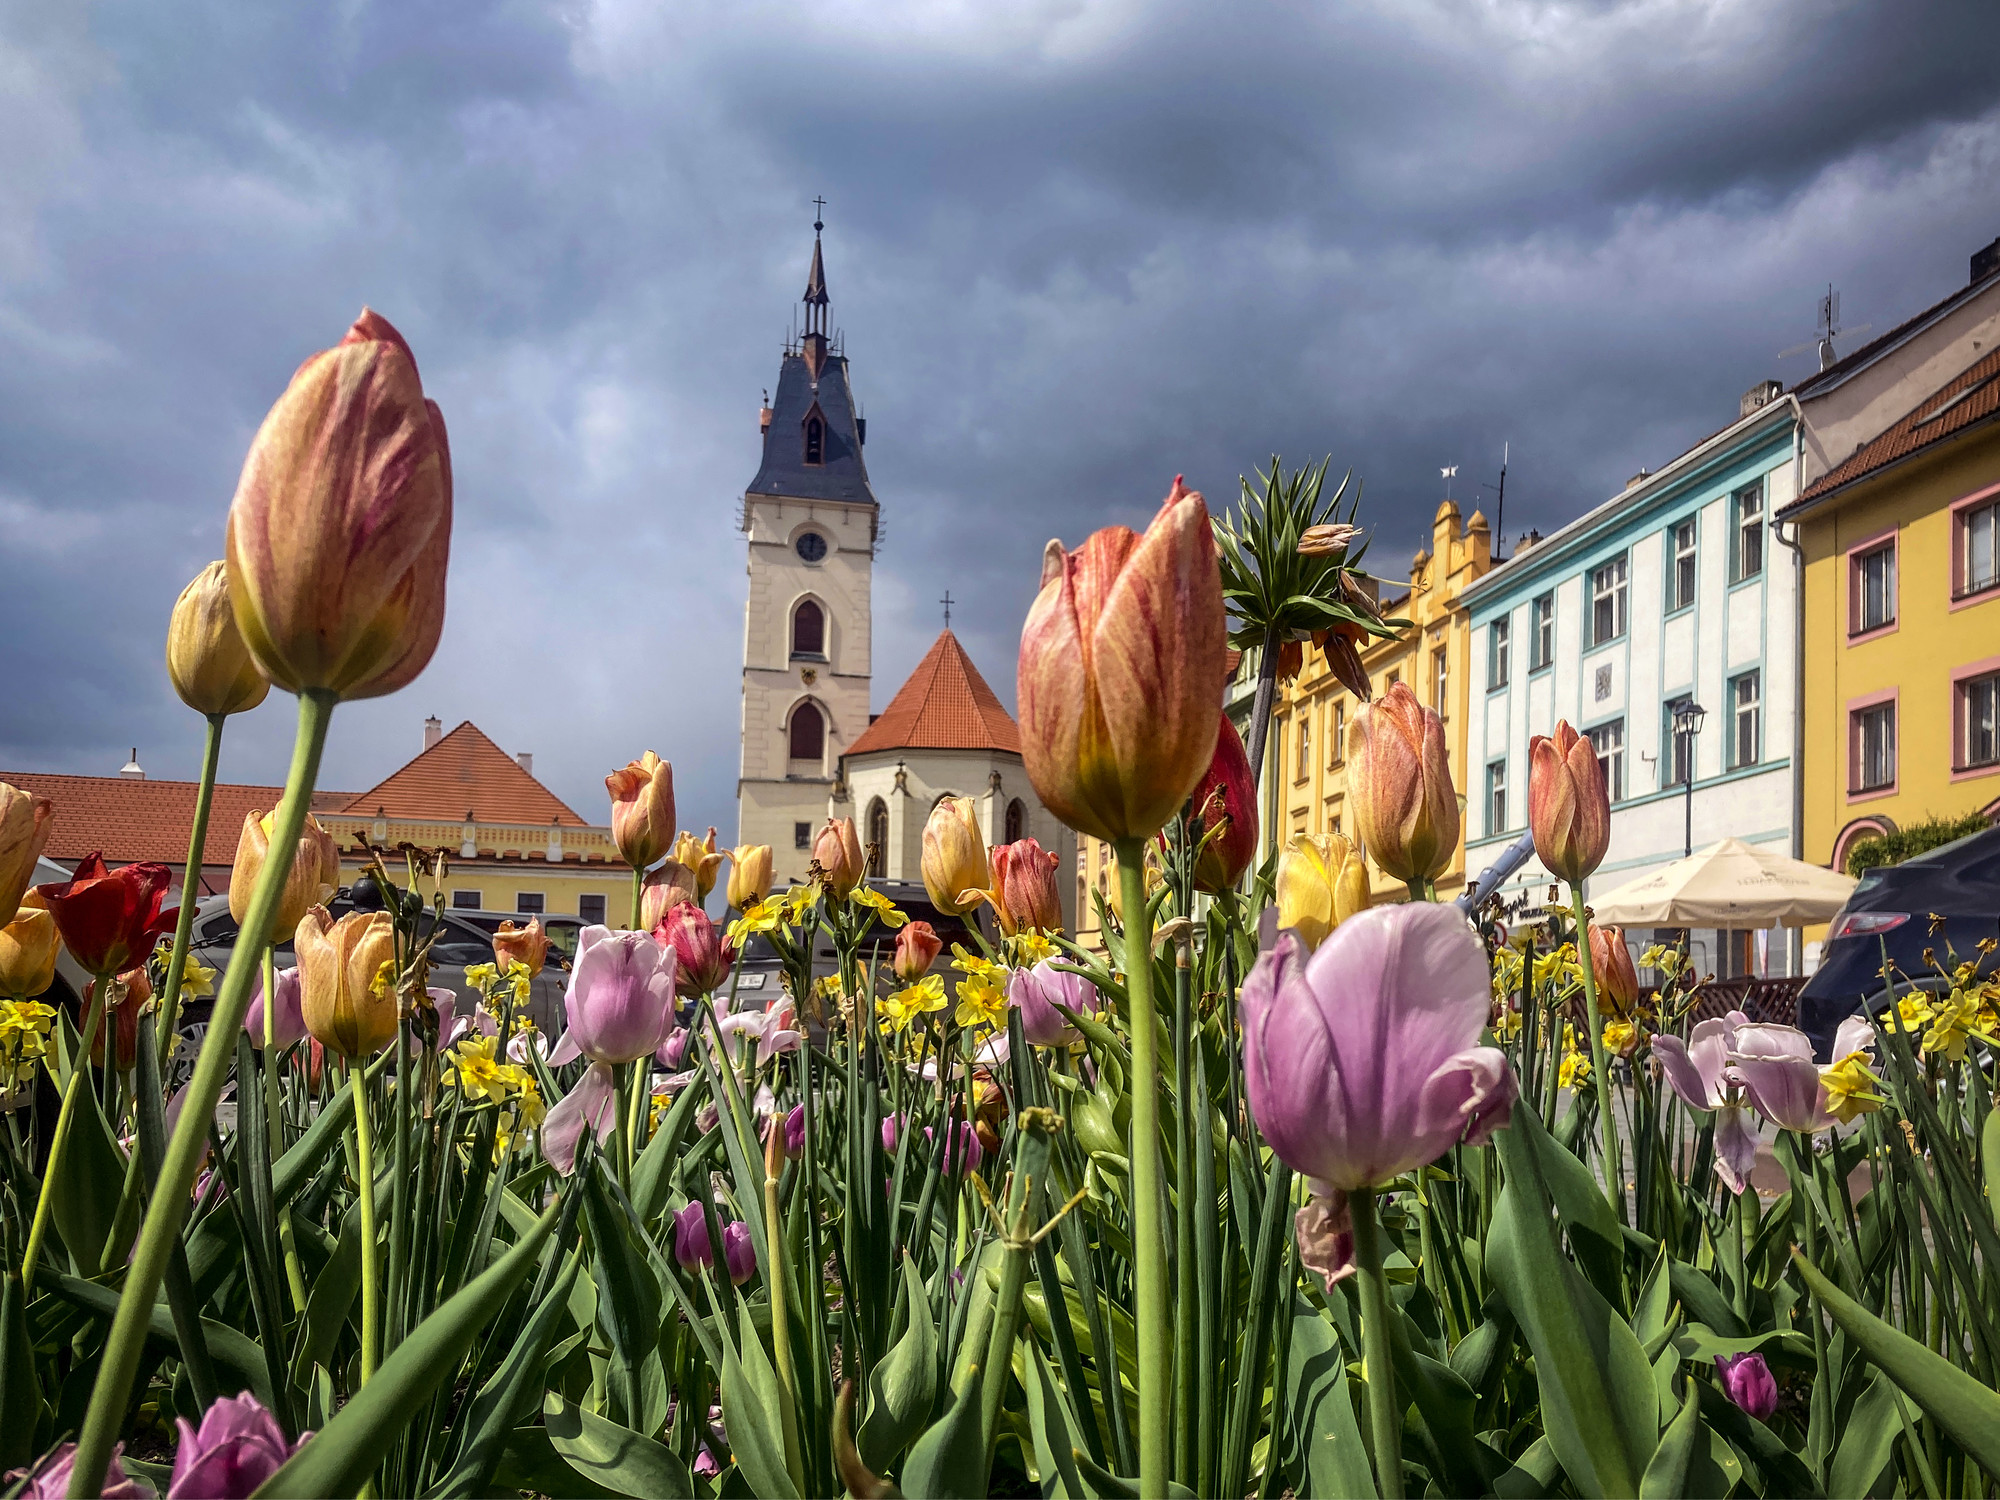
x=465, y=772
x=1971, y=397
x=945, y=705
x=131, y=820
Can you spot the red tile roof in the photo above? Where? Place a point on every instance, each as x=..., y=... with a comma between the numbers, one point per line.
x=130, y=820
x=945, y=705
x=465, y=772
x=1972, y=396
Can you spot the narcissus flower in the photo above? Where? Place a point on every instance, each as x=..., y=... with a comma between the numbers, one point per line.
x=912, y=1002
x=1399, y=785
x=837, y=852
x=642, y=809
x=24, y=830
x=341, y=526
x=1225, y=800
x=1123, y=659
x=349, y=971
x=238, y=1446
x=954, y=856
x=750, y=875
x=28, y=951
x=109, y=919
x=210, y=666
x=1026, y=896
x=1322, y=881
x=702, y=860
x=1569, y=808
x=311, y=881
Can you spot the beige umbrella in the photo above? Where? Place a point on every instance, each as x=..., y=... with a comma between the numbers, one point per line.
x=1729, y=884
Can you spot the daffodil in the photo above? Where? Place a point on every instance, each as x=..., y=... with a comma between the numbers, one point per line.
x=24, y=1039
x=1953, y=1020
x=975, y=967
x=1621, y=1038
x=765, y=916
x=885, y=910
x=982, y=1003
x=384, y=982
x=197, y=980
x=1851, y=1088
x=478, y=1075
x=912, y=1002
x=1029, y=947
x=481, y=976
x=1575, y=1070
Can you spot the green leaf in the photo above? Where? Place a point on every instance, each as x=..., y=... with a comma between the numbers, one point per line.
x=615, y=1457
x=1868, y=1439
x=1681, y=1466
x=20, y=1389
x=902, y=1389
x=1533, y=1474
x=1325, y=1436
x=530, y=1463
x=1049, y=1421
x=343, y=1456
x=1957, y=1402
x=332, y=1296
x=948, y=1461
x=1099, y=1483
x=238, y=1358
x=628, y=1309
x=750, y=1415
x=85, y=1190
x=1785, y=1475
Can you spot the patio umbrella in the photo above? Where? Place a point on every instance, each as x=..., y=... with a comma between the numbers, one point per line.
x=1728, y=884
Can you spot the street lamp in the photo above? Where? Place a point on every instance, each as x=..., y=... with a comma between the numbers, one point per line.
x=1688, y=716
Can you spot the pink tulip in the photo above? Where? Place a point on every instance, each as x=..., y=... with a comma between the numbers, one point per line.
x=738, y=1254
x=962, y=1151
x=1698, y=1070
x=1036, y=993
x=694, y=1250
x=892, y=1131
x=704, y=956
x=621, y=998
x=290, y=1022
x=1778, y=1071
x=592, y=1104
x=776, y=1029
x=1747, y=1381
x=238, y=1446
x=672, y=1053
x=51, y=1480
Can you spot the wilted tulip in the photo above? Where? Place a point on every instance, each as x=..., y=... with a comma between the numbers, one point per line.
x=620, y=1003
x=917, y=948
x=24, y=830
x=314, y=874
x=1123, y=659
x=703, y=953
x=1698, y=1070
x=1326, y=539
x=348, y=969
x=1784, y=1083
x=1226, y=800
x=1617, y=979
x=1569, y=808
x=1322, y=881
x=750, y=875
x=837, y=851
x=28, y=950
x=1026, y=896
x=522, y=945
x=341, y=526
x=642, y=809
x=210, y=666
x=663, y=889
x=954, y=856
x=1036, y=992
x=1399, y=785
x=702, y=860
x=1747, y=1381
x=110, y=919
x=127, y=996
x=288, y=1021
x=238, y=1446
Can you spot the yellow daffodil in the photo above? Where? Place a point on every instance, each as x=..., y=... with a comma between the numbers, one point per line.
x=981, y=1003
x=1029, y=947
x=481, y=976
x=912, y=1002
x=972, y=965
x=1621, y=1038
x=196, y=980
x=1851, y=1088
x=1952, y=1021
x=763, y=917
x=1575, y=1070
x=885, y=910
x=24, y=1039
x=478, y=1075
x=1559, y=965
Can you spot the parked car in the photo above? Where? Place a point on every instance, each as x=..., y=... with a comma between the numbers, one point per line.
x=1892, y=908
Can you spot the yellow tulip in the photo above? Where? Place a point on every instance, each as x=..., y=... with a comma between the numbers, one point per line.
x=314, y=874
x=24, y=830
x=1322, y=881
x=348, y=968
x=211, y=667
x=954, y=857
x=702, y=858
x=28, y=951
x=750, y=875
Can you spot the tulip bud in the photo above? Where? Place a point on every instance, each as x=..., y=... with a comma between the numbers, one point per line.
x=288, y=1021
x=1322, y=881
x=750, y=875
x=1123, y=660
x=671, y=885
x=917, y=948
x=350, y=1002
x=341, y=526
x=126, y=997
x=954, y=858
x=1569, y=807
x=642, y=809
x=702, y=955
x=314, y=874
x=837, y=852
x=523, y=945
x=738, y=1253
x=28, y=951
x=24, y=830
x=672, y=1053
x=1617, y=979
x=1399, y=783
x=1747, y=1381
x=1025, y=893
x=1226, y=801
x=206, y=658
x=702, y=859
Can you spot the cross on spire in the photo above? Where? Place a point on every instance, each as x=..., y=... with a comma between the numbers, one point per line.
x=819, y=213
x=946, y=602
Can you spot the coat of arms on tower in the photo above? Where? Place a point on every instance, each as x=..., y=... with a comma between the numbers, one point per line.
x=809, y=675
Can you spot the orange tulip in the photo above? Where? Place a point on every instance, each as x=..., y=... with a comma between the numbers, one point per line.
x=917, y=948
x=837, y=851
x=24, y=830
x=1025, y=895
x=642, y=809
x=1399, y=784
x=1569, y=807
x=1617, y=979
x=314, y=875
x=954, y=857
x=528, y=945
x=1121, y=672
x=350, y=1000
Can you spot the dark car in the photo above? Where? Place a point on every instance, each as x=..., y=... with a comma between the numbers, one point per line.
x=1893, y=908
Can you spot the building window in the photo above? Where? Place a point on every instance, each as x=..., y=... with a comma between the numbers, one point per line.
x=878, y=839
x=1680, y=590
x=1017, y=821
x=1496, y=797
x=1874, y=589
x=590, y=910
x=1979, y=722
x=1872, y=747
x=465, y=900
x=1746, y=730
x=1749, y=533
x=808, y=734
x=528, y=903
x=1441, y=683
x=802, y=835
x=1979, y=549
x=1678, y=753
x=1336, y=752
x=1305, y=747
x=809, y=630
x=1607, y=602
x=815, y=440
x=1497, y=654
x=1542, y=642
x=1608, y=740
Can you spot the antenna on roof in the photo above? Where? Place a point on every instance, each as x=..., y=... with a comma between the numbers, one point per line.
x=1829, y=325
x=1500, y=506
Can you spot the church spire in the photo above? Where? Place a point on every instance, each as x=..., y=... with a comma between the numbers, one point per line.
x=816, y=298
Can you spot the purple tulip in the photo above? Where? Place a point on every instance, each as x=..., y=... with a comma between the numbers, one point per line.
x=288, y=1025
x=738, y=1254
x=892, y=1131
x=51, y=1481
x=1698, y=1070
x=592, y=1104
x=1778, y=1071
x=795, y=1131
x=238, y=1446
x=1747, y=1381
x=962, y=1151
x=672, y=1054
x=621, y=998
x=1036, y=992
x=1361, y=1058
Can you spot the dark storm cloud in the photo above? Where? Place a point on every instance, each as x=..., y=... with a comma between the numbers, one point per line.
x=1077, y=247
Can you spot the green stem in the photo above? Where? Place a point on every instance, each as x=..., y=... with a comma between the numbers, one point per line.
x=1149, y=1247
x=638, y=893
x=1385, y=1415
x=371, y=1286
x=79, y=1067
x=1736, y=1248
x=172, y=1192
x=1600, y=1068
x=274, y=1127
x=170, y=999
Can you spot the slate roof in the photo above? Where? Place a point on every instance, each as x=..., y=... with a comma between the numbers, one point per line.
x=945, y=705
x=784, y=471
x=1969, y=398
x=465, y=772
x=130, y=820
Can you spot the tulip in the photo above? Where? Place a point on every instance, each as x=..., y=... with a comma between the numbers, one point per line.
x=620, y=1002
x=210, y=666
x=1226, y=802
x=341, y=526
x=738, y=1253
x=1698, y=1070
x=703, y=954
x=24, y=831
x=777, y=1029
x=521, y=945
x=1784, y=1083
x=892, y=1132
x=28, y=950
x=592, y=1105
x=671, y=885
x=837, y=851
x=1617, y=979
x=962, y=1151
x=642, y=809
x=1123, y=660
x=672, y=1053
x=349, y=1004
x=1399, y=784
x=1322, y=881
x=954, y=857
x=314, y=874
x=750, y=875
x=124, y=999
x=288, y=1022
x=1747, y=1381
x=1026, y=896
x=1036, y=993
x=917, y=948
x=52, y=1480
x=1362, y=1059
x=110, y=919
x=695, y=1251
x=702, y=858
x=238, y=1446
x=1569, y=808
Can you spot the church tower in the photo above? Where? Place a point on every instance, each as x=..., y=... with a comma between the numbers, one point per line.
x=810, y=520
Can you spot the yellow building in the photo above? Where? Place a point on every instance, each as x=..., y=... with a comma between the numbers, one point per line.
x=1901, y=638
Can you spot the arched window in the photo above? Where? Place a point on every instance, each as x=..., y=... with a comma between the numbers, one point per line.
x=1017, y=821
x=808, y=733
x=808, y=630
x=878, y=839
x=815, y=440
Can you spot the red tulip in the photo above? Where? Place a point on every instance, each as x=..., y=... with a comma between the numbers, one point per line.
x=1226, y=800
x=1025, y=894
x=703, y=956
x=917, y=948
x=1569, y=808
x=110, y=919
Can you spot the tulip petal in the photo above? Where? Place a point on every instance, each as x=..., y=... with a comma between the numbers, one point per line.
x=1325, y=1230
x=591, y=1104
x=1468, y=1098
x=1735, y=1146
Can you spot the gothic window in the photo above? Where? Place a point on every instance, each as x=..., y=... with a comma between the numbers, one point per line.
x=808, y=733
x=815, y=439
x=808, y=630
x=878, y=839
x=1017, y=821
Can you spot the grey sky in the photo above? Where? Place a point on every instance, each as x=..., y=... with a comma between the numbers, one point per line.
x=1076, y=247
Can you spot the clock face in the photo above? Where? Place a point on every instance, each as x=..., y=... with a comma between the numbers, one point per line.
x=811, y=546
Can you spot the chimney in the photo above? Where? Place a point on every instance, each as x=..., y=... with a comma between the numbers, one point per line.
x=132, y=770
x=1527, y=539
x=1985, y=262
x=1639, y=478
x=433, y=732
x=1763, y=393
x=526, y=759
